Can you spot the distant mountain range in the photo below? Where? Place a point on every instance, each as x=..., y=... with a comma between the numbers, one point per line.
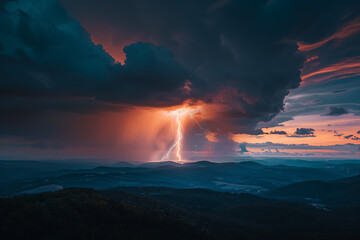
x=17, y=177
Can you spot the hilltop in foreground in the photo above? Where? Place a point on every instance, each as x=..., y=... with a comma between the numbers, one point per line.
x=164, y=213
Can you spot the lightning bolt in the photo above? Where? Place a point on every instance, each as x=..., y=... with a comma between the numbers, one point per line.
x=179, y=136
x=180, y=114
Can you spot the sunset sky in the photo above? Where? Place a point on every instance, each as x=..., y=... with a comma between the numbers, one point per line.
x=116, y=80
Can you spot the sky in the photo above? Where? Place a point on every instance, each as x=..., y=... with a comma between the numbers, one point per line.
x=136, y=80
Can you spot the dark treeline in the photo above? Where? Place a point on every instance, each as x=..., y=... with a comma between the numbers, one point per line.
x=165, y=213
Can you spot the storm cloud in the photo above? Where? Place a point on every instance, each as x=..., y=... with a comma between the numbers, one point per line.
x=242, y=147
x=336, y=111
x=48, y=54
x=239, y=58
x=279, y=132
x=49, y=65
x=303, y=132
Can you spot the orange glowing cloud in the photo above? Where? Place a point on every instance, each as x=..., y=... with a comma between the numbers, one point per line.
x=348, y=68
x=211, y=136
x=349, y=29
x=311, y=59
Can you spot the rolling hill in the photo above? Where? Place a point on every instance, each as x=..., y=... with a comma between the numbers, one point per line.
x=342, y=192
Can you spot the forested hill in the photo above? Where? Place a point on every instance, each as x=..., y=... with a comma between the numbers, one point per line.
x=85, y=214
x=167, y=213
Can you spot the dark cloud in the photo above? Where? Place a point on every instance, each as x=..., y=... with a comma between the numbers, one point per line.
x=336, y=134
x=348, y=136
x=47, y=53
x=358, y=132
x=339, y=91
x=355, y=138
x=246, y=45
x=336, y=111
x=305, y=131
x=49, y=64
x=332, y=63
x=278, y=132
x=246, y=49
x=243, y=148
x=275, y=122
x=150, y=77
x=257, y=131
x=230, y=46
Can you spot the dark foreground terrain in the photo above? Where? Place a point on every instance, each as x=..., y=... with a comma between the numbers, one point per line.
x=85, y=214
x=167, y=213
